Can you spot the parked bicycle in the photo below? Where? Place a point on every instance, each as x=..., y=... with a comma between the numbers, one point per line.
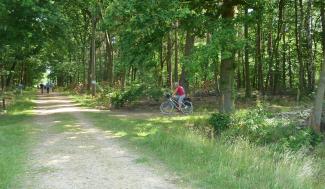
x=169, y=106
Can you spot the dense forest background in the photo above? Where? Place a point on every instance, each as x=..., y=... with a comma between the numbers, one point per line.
x=224, y=48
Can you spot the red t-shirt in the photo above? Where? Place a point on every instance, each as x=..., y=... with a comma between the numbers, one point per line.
x=180, y=91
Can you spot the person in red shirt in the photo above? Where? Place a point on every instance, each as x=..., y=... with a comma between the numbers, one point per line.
x=179, y=93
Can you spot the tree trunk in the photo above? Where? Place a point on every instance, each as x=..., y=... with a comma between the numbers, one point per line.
x=12, y=69
x=299, y=51
x=284, y=58
x=227, y=67
x=109, y=55
x=323, y=26
x=316, y=116
x=270, y=66
x=176, y=54
x=89, y=67
x=318, y=103
x=169, y=61
x=93, y=56
x=248, y=91
x=258, y=52
x=189, y=44
x=239, y=77
x=161, y=56
x=2, y=71
x=216, y=76
x=84, y=63
x=275, y=54
x=311, y=74
x=290, y=68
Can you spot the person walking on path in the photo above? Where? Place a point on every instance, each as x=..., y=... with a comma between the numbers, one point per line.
x=42, y=87
x=48, y=85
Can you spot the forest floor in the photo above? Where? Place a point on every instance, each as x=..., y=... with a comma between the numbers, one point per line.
x=69, y=152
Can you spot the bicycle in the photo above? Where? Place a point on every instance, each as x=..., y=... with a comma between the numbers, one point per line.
x=168, y=107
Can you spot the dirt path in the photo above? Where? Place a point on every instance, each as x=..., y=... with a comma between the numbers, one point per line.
x=83, y=157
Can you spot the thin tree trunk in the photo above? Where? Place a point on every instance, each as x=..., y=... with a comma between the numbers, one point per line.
x=2, y=70
x=8, y=82
x=248, y=91
x=160, y=80
x=169, y=61
x=310, y=65
x=275, y=54
x=290, y=68
x=93, y=56
x=298, y=48
x=216, y=75
x=109, y=55
x=284, y=58
x=176, y=54
x=270, y=72
x=89, y=67
x=258, y=52
x=84, y=63
x=239, y=80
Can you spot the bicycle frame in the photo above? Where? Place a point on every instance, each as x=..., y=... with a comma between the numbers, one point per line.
x=173, y=101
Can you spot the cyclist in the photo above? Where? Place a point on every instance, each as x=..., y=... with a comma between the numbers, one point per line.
x=179, y=94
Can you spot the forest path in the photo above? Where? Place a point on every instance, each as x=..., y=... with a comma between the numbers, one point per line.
x=82, y=156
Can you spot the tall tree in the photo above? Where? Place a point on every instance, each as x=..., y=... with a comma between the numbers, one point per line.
x=189, y=44
x=248, y=90
x=316, y=115
x=227, y=67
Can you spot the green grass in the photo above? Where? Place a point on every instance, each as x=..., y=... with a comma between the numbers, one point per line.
x=84, y=100
x=209, y=163
x=15, y=129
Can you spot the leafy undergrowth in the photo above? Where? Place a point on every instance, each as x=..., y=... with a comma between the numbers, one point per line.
x=263, y=128
x=214, y=163
x=108, y=97
x=15, y=129
x=85, y=100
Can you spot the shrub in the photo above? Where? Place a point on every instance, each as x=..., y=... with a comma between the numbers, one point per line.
x=258, y=127
x=220, y=122
x=154, y=93
x=120, y=98
x=105, y=95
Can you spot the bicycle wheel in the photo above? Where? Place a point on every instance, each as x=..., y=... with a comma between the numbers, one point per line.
x=187, y=107
x=166, y=107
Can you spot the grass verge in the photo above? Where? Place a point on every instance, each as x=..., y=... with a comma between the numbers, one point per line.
x=213, y=164
x=15, y=129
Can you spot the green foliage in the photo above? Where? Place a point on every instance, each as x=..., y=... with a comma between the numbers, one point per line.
x=257, y=126
x=105, y=95
x=220, y=121
x=154, y=93
x=120, y=97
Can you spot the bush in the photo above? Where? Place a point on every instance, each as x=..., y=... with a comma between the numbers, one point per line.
x=120, y=98
x=154, y=93
x=258, y=127
x=105, y=96
x=220, y=122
